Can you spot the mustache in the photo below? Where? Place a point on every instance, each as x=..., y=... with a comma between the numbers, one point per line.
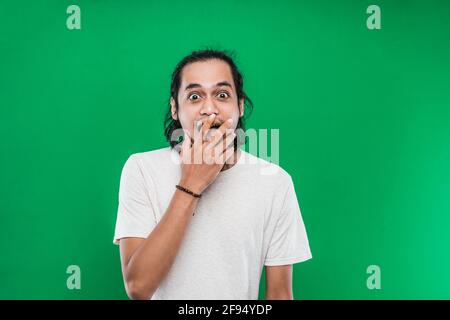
x=216, y=124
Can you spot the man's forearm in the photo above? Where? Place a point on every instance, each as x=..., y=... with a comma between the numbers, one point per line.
x=282, y=295
x=152, y=260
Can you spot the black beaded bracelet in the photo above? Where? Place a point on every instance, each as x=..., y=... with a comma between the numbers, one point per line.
x=196, y=195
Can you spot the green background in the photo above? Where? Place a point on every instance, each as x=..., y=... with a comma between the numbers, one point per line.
x=364, y=119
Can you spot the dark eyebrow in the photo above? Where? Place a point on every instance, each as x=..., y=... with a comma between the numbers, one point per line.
x=192, y=85
x=223, y=83
x=218, y=84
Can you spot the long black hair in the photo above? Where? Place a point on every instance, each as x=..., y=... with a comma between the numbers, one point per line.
x=170, y=125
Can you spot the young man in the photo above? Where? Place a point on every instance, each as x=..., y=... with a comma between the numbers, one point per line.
x=201, y=221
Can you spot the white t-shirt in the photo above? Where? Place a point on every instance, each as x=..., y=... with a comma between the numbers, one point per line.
x=247, y=218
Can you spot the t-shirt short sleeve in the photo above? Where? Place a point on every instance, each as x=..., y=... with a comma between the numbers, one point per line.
x=135, y=214
x=289, y=242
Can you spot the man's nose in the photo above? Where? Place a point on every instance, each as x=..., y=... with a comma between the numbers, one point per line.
x=209, y=108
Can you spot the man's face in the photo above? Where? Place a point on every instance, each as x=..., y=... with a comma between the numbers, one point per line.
x=207, y=87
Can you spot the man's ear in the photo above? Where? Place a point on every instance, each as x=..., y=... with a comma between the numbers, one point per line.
x=173, y=109
x=241, y=107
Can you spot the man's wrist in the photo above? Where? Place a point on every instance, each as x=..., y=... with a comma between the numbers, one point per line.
x=191, y=186
x=190, y=192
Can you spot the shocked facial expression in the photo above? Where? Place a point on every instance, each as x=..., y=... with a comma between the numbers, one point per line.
x=207, y=87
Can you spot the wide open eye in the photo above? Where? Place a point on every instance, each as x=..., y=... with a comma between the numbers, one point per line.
x=223, y=95
x=194, y=97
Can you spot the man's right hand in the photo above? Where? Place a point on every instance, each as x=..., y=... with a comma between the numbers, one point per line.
x=203, y=155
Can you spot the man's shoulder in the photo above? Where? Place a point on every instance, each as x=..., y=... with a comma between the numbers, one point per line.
x=152, y=159
x=266, y=170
